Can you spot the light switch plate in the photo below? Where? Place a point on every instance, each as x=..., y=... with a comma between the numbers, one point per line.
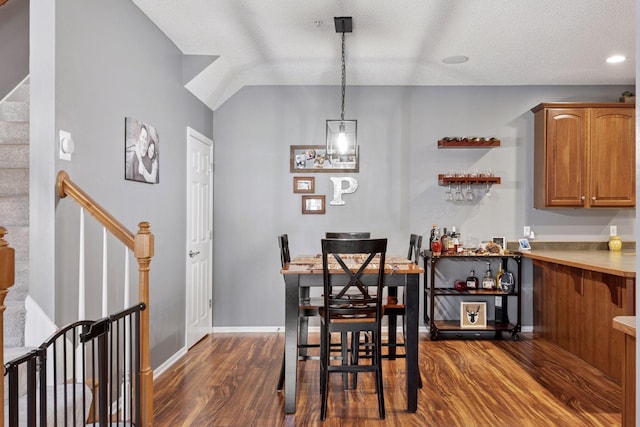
x=526, y=231
x=613, y=230
x=65, y=145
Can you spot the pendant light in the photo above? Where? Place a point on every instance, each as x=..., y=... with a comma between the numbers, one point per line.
x=342, y=148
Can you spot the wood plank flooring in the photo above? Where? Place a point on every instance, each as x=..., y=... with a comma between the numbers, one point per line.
x=230, y=380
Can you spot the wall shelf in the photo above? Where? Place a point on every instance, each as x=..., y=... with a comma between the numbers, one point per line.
x=468, y=143
x=468, y=180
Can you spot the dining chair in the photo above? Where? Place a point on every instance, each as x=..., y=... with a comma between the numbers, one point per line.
x=307, y=307
x=347, y=235
x=350, y=308
x=395, y=309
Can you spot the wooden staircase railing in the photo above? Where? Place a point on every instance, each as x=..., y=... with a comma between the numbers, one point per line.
x=7, y=278
x=142, y=245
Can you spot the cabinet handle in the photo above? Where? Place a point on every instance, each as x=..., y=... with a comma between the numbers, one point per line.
x=582, y=198
x=593, y=198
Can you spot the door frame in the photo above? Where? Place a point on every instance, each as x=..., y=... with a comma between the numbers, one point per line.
x=194, y=134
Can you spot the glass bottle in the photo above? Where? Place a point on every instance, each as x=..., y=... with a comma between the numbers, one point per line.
x=488, y=281
x=444, y=241
x=436, y=246
x=472, y=281
x=499, y=274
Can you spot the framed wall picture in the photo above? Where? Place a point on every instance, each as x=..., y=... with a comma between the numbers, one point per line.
x=500, y=241
x=141, y=152
x=304, y=184
x=473, y=315
x=313, y=204
x=313, y=158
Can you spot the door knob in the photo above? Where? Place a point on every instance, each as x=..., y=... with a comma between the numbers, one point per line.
x=192, y=254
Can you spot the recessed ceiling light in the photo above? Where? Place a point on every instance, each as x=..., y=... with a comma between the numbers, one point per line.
x=458, y=59
x=615, y=59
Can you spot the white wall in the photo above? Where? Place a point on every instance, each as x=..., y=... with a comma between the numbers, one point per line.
x=398, y=129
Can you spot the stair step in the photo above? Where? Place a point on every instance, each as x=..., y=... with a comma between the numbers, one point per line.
x=14, y=182
x=14, y=320
x=14, y=156
x=21, y=93
x=14, y=111
x=14, y=130
x=14, y=210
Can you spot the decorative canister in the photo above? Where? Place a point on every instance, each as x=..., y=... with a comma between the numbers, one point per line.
x=615, y=243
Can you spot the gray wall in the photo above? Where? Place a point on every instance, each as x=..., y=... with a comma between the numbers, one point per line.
x=398, y=129
x=105, y=69
x=14, y=45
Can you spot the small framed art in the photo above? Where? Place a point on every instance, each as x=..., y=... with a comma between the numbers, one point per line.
x=500, y=241
x=313, y=205
x=304, y=184
x=473, y=314
x=142, y=151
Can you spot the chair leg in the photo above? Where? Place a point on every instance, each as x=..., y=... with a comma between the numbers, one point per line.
x=344, y=346
x=281, y=379
x=379, y=386
x=324, y=372
x=355, y=352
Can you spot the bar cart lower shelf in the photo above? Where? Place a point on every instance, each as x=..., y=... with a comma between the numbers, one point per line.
x=451, y=328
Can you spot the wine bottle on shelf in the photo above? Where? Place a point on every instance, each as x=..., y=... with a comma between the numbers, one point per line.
x=498, y=275
x=454, y=241
x=472, y=281
x=436, y=246
x=444, y=241
x=488, y=281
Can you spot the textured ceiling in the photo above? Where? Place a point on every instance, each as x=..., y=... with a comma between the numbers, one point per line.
x=401, y=42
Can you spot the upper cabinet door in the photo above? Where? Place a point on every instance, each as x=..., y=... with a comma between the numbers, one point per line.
x=566, y=157
x=612, y=157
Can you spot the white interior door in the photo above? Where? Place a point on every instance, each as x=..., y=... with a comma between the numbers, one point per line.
x=199, y=236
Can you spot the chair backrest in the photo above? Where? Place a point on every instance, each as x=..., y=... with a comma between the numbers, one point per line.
x=415, y=245
x=347, y=294
x=285, y=255
x=348, y=235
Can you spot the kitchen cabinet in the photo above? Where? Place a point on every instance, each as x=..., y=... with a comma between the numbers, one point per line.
x=574, y=309
x=436, y=298
x=584, y=155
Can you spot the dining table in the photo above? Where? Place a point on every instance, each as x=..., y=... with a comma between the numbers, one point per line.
x=305, y=272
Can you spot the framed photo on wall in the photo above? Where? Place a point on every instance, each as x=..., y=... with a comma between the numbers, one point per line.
x=473, y=315
x=141, y=152
x=304, y=184
x=313, y=158
x=313, y=205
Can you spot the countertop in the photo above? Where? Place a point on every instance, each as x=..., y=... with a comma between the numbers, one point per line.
x=626, y=324
x=617, y=263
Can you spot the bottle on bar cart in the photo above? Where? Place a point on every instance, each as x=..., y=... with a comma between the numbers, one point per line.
x=488, y=281
x=436, y=246
x=472, y=281
x=444, y=241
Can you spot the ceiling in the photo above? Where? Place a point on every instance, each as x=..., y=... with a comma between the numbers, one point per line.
x=401, y=42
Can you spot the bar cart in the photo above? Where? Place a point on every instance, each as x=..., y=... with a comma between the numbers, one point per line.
x=443, y=328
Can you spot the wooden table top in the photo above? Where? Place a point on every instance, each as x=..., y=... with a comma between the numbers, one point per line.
x=312, y=264
x=617, y=263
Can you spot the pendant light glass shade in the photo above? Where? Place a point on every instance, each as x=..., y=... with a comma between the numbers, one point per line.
x=342, y=145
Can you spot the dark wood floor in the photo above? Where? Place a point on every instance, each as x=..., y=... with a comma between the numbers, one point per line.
x=230, y=380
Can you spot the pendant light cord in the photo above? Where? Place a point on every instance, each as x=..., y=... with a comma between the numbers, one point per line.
x=344, y=80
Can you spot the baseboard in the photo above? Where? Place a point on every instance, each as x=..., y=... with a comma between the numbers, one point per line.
x=38, y=326
x=169, y=362
x=271, y=329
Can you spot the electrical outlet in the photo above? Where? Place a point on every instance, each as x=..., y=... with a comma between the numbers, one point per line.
x=526, y=231
x=613, y=230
